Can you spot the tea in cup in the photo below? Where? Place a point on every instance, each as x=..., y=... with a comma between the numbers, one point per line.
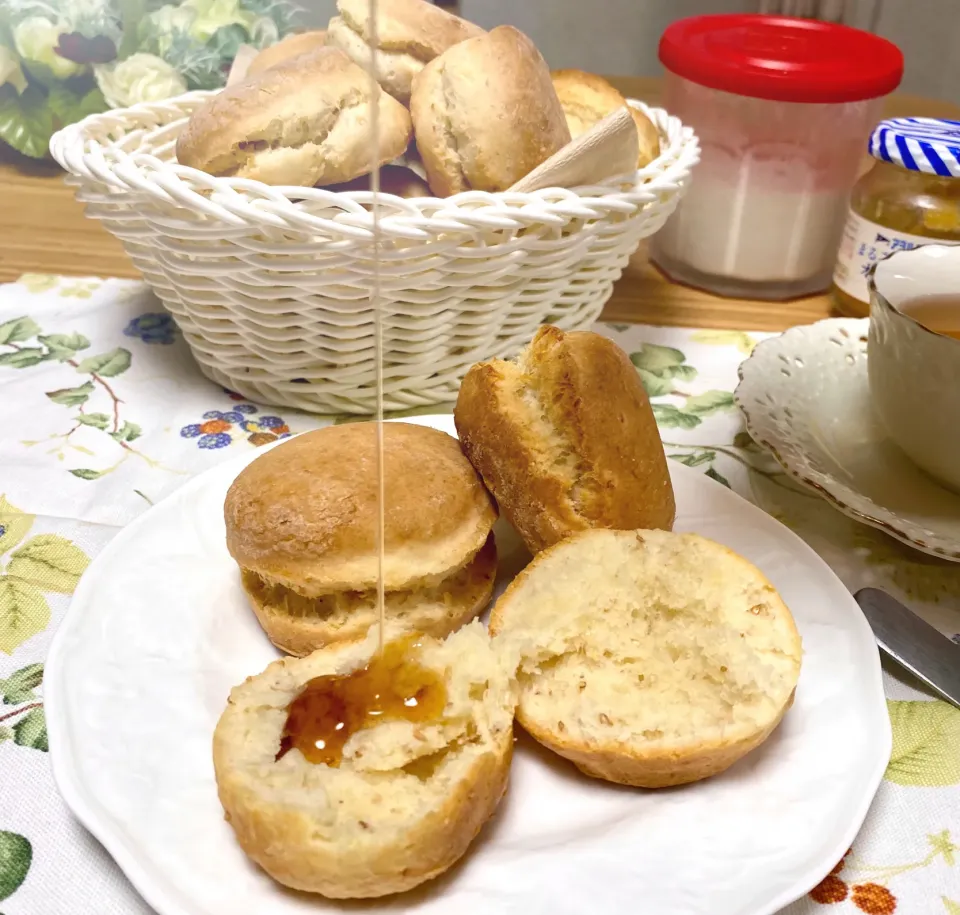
x=913, y=356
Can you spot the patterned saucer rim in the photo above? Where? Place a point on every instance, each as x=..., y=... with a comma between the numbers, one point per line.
x=838, y=494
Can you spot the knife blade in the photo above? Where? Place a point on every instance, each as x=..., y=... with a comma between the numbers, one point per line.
x=913, y=643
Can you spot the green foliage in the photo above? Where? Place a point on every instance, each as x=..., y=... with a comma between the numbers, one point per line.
x=22, y=358
x=199, y=38
x=72, y=397
x=50, y=562
x=128, y=432
x=709, y=402
x=31, y=730
x=926, y=735
x=715, y=474
x=18, y=330
x=16, y=853
x=695, y=458
x=86, y=474
x=20, y=685
x=63, y=347
x=29, y=120
x=670, y=417
x=286, y=16
x=107, y=365
x=15, y=525
x=97, y=420
x=24, y=612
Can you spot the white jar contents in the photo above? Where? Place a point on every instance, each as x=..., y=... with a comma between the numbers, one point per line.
x=758, y=233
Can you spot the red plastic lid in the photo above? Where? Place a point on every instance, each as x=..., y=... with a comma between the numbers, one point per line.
x=782, y=58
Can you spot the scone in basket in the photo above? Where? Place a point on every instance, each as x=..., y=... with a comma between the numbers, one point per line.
x=271, y=286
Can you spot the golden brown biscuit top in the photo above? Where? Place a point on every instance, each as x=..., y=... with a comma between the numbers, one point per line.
x=597, y=398
x=413, y=26
x=305, y=513
x=286, y=49
x=287, y=105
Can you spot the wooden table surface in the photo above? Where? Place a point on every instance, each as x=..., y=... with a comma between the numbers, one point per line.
x=43, y=230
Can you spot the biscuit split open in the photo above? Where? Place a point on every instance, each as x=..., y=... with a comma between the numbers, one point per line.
x=648, y=658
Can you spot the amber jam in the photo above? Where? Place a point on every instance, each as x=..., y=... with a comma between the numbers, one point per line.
x=330, y=710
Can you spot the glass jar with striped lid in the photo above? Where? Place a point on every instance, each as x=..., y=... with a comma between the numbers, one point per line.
x=910, y=197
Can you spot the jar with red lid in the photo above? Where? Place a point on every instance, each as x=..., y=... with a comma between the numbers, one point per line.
x=782, y=107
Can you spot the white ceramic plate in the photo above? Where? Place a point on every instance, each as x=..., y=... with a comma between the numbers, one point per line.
x=159, y=631
x=805, y=396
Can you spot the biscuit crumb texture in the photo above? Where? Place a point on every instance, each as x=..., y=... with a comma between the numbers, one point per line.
x=408, y=797
x=648, y=658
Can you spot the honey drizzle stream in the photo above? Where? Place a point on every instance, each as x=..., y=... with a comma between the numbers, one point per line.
x=377, y=316
x=394, y=685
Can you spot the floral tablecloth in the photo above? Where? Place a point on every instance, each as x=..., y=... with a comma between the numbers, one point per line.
x=103, y=413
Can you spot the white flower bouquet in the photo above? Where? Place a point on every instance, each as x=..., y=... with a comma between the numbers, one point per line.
x=61, y=60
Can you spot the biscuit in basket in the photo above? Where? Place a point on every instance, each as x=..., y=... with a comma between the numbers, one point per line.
x=291, y=46
x=301, y=523
x=587, y=98
x=565, y=438
x=485, y=113
x=302, y=122
x=648, y=658
x=401, y=799
x=410, y=33
x=394, y=179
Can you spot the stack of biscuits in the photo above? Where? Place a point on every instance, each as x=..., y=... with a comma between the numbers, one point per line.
x=302, y=523
x=644, y=657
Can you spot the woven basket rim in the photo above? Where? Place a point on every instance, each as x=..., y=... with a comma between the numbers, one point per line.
x=239, y=201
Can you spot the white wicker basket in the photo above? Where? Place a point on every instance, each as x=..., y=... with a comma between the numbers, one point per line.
x=271, y=286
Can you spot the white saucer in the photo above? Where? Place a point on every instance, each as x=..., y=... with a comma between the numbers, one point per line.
x=805, y=396
x=159, y=631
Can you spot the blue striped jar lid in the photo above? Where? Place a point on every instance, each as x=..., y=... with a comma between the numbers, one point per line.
x=930, y=145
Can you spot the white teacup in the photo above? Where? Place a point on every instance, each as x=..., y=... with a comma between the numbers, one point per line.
x=915, y=371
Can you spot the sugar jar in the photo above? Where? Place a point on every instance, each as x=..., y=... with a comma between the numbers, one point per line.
x=782, y=107
x=910, y=197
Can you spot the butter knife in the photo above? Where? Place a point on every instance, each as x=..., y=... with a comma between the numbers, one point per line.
x=913, y=643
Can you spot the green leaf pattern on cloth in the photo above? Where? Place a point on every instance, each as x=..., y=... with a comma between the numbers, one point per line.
x=926, y=744
x=695, y=458
x=709, y=402
x=23, y=345
x=50, y=562
x=31, y=731
x=24, y=612
x=20, y=686
x=666, y=373
x=669, y=416
x=742, y=341
x=22, y=358
x=657, y=359
x=16, y=855
x=18, y=330
x=64, y=346
x=715, y=474
x=14, y=525
x=44, y=563
x=72, y=397
x=84, y=473
x=107, y=365
x=97, y=420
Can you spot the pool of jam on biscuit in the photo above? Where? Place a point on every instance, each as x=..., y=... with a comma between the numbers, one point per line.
x=331, y=709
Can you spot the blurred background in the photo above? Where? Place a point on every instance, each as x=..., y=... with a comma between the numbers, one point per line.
x=620, y=36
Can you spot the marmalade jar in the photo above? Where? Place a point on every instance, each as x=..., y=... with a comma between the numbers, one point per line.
x=910, y=197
